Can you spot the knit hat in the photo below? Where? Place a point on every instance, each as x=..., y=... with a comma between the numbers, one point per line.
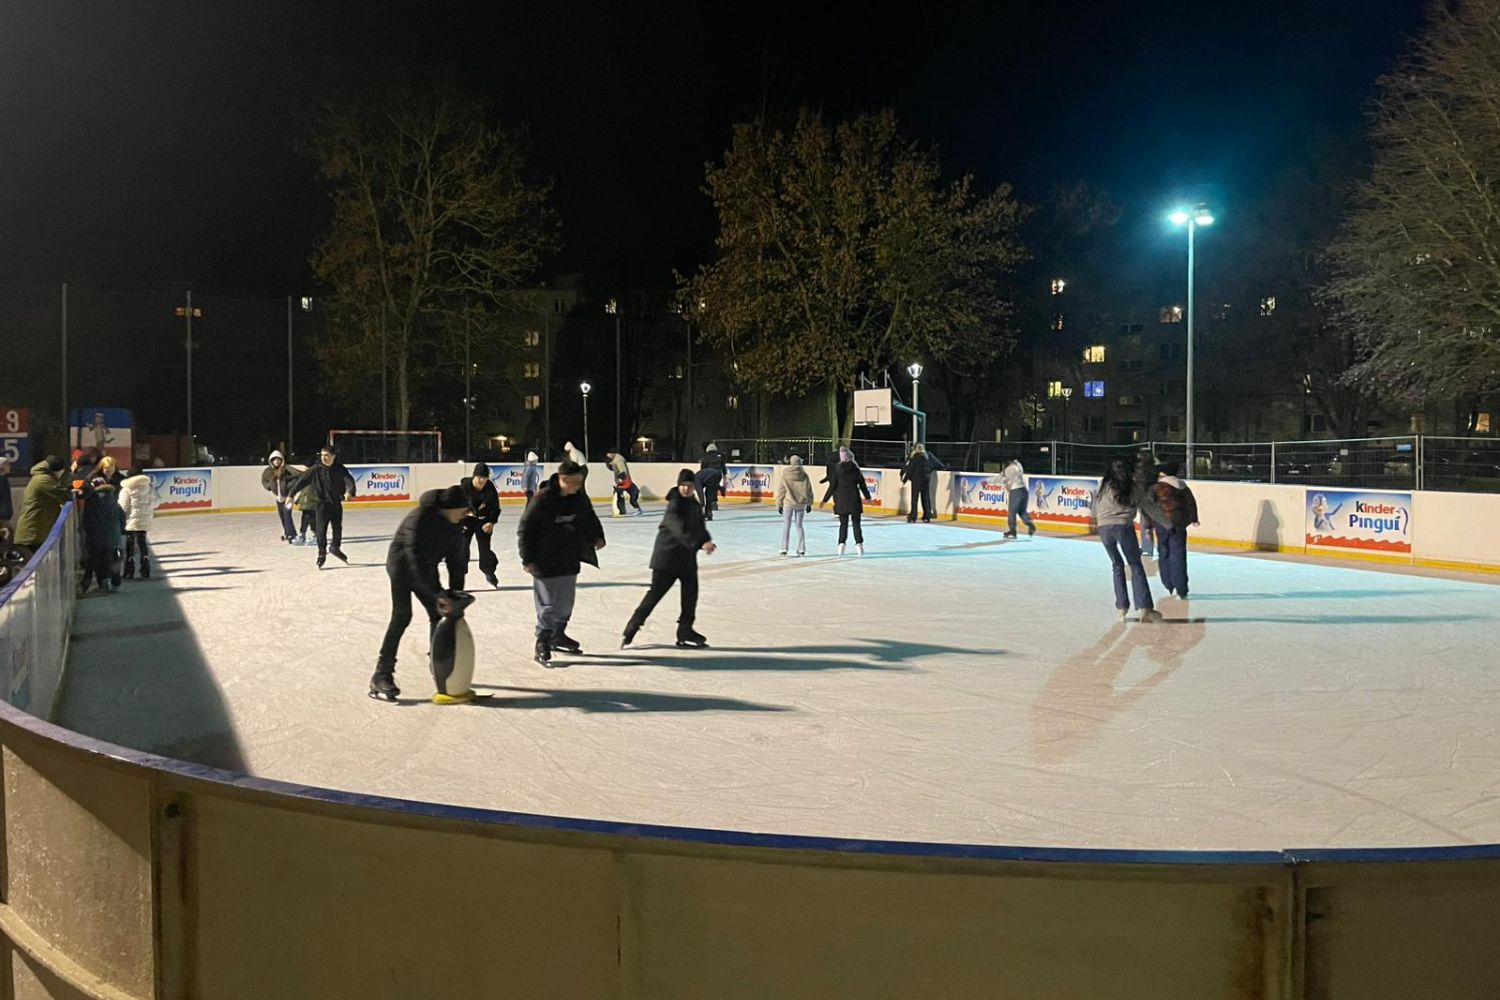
x=482, y=470
x=452, y=497
x=711, y=447
x=684, y=476
x=531, y=457
x=795, y=460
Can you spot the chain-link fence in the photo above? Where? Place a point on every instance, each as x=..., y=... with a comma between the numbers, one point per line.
x=1466, y=464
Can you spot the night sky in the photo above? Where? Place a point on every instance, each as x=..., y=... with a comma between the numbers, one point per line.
x=151, y=141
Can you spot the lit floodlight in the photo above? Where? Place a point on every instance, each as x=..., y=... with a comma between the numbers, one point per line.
x=1179, y=217
x=914, y=369
x=585, y=388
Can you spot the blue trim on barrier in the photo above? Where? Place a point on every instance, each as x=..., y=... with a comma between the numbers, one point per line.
x=64, y=517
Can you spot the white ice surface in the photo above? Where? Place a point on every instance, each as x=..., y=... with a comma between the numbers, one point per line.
x=949, y=686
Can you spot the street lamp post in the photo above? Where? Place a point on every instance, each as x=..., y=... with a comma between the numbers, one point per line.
x=1067, y=394
x=1198, y=216
x=585, y=388
x=613, y=308
x=915, y=371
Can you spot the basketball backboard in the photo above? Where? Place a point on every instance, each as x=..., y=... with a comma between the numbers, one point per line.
x=872, y=407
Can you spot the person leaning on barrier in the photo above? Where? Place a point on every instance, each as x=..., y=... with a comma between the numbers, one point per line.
x=45, y=495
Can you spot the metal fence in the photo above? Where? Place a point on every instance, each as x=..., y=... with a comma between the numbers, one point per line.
x=1420, y=461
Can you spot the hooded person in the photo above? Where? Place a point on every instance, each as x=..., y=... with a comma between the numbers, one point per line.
x=577, y=457
x=682, y=535
x=274, y=479
x=709, y=481
x=1017, y=497
x=428, y=536
x=918, y=472
x=1145, y=478
x=103, y=533
x=330, y=483
x=531, y=475
x=846, y=489
x=557, y=534
x=1175, y=509
x=484, y=512
x=625, y=487
x=138, y=504
x=794, y=498
x=46, y=493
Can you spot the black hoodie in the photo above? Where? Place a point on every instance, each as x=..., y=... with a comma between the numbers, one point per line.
x=681, y=534
x=847, y=487
x=557, y=533
x=425, y=539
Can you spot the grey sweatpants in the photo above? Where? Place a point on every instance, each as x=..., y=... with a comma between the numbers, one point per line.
x=792, y=517
x=554, y=596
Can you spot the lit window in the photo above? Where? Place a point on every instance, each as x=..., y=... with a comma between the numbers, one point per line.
x=533, y=402
x=533, y=370
x=307, y=303
x=1170, y=314
x=1268, y=305
x=1058, y=284
x=1093, y=390
x=733, y=403
x=1054, y=389
x=1057, y=321
x=533, y=338
x=1094, y=355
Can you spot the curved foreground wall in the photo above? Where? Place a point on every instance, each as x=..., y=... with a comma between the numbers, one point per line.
x=131, y=876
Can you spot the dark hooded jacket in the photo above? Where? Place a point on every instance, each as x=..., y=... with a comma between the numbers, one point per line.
x=681, y=534
x=846, y=489
x=714, y=460
x=917, y=470
x=557, y=533
x=424, y=540
x=484, y=503
x=103, y=520
x=330, y=483
x=43, y=501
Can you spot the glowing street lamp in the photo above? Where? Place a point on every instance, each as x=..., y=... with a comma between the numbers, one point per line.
x=1197, y=216
x=915, y=371
x=585, y=388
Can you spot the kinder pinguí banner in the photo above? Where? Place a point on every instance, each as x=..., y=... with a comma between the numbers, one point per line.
x=182, y=489
x=748, y=482
x=374, y=483
x=1062, y=500
x=509, y=480
x=981, y=495
x=874, y=480
x=1359, y=520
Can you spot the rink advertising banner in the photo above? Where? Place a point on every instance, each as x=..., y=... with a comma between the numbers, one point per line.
x=374, y=483
x=509, y=480
x=980, y=495
x=749, y=482
x=1354, y=519
x=874, y=481
x=1062, y=500
x=108, y=430
x=182, y=489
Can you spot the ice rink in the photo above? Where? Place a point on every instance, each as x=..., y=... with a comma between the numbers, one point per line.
x=949, y=686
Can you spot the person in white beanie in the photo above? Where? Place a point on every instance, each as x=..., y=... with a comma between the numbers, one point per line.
x=275, y=478
x=531, y=475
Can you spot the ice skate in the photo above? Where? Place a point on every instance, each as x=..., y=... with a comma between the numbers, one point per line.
x=628, y=636
x=145, y=570
x=321, y=560
x=566, y=643
x=339, y=555
x=1008, y=534
x=1030, y=530
x=859, y=547
x=1124, y=613
x=543, y=653
x=130, y=569
x=383, y=687
x=841, y=548
x=688, y=639
x=1150, y=616
x=492, y=580
x=782, y=552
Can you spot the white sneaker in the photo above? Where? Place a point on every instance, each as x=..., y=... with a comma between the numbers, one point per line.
x=841, y=548
x=1150, y=616
x=860, y=548
x=782, y=552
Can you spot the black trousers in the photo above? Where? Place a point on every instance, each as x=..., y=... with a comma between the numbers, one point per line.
x=919, y=496
x=488, y=561
x=661, y=582
x=859, y=535
x=401, y=595
x=309, y=522
x=99, y=562
x=327, y=515
x=134, y=540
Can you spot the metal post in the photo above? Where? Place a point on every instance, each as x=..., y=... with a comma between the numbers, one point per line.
x=1054, y=458
x=1273, y=463
x=1421, y=456
x=289, y=447
x=67, y=421
x=619, y=430
x=385, y=425
x=546, y=384
x=192, y=441
x=916, y=404
x=586, y=451
x=1192, y=228
x=687, y=410
x=468, y=391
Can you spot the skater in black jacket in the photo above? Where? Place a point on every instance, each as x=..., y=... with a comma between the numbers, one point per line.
x=710, y=480
x=427, y=536
x=558, y=533
x=484, y=511
x=682, y=535
x=845, y=490
x=331, y=483
x=918, y=472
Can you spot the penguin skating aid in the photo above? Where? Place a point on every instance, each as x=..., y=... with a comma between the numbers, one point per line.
x=452, y=658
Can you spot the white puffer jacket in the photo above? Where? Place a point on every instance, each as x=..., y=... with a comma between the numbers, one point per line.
x=138, y=501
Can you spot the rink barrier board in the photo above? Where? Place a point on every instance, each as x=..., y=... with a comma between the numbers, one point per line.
x=132, y=875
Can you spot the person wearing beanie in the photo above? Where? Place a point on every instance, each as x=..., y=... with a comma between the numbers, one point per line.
x=918, y=472
x=103, y=533
x=710, y=480
x=557, y=534
x=794, y=498
x=531, y=475
x=625, y=487
x=845, y=490
x=331, y=484
x=427, y=536
x=578, y=458
x=484, y=511
x=46, y=492
x=274, y=479
x=682, y=535
x=138, y=504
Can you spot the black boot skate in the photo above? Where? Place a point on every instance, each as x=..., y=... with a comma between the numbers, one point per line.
x=544, y=649
x=631, y=628
x=130, y=569
x=688, y=639
x=383, y=686
x=565, y=642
